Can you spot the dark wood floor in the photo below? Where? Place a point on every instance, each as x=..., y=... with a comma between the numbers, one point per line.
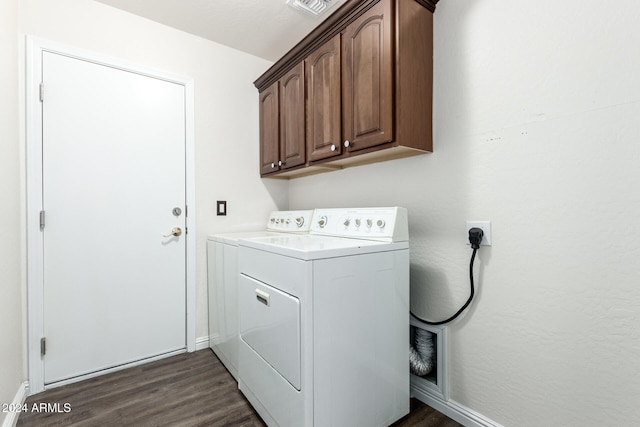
x=191, y=389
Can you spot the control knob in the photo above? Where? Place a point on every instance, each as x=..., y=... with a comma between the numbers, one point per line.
x=322, y=221
x=299, y=221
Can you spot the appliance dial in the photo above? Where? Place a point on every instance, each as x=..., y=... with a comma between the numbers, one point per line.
x=322, y=221
x=369, y=222
x=299, y=221
x=380, y=223
x=358, y=222
x=347, y=222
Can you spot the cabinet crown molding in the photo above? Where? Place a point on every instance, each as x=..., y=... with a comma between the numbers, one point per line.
x=334, y=24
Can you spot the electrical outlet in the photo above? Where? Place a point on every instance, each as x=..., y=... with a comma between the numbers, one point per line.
x=486, y=230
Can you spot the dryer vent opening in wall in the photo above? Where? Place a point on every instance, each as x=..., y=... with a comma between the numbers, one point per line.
x=433, y=383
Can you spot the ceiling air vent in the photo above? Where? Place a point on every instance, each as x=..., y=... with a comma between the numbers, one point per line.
x=314, y=7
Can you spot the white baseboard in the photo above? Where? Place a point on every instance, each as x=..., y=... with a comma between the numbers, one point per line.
x=18, y=400
x=202, y=343
x=454, y=410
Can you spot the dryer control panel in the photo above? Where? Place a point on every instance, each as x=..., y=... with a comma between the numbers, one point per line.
x=290, y=221
x=388, y=224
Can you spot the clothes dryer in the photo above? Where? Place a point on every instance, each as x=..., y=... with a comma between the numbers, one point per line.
x=324, y=321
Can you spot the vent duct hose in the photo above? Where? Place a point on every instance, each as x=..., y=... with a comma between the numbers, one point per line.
x=421, y=358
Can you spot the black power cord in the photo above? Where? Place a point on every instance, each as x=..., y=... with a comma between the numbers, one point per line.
x=475, y=237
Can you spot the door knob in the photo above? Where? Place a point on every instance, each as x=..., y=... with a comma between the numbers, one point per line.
x=175, y=231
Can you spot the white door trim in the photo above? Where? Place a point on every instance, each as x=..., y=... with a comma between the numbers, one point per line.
x=35, y=290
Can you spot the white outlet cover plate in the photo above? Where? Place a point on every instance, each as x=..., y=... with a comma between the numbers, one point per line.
x=486, y=229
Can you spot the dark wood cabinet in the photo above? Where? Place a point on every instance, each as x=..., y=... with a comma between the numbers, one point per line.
x=367, y=79
x=324, y=130
x=282, y=123
x=292, y=118
x=269, y=129
x=368, y=83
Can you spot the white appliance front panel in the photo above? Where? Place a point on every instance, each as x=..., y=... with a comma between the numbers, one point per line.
x=270, y=394
x=270, y=325
x=354, y=319
x=222, y=281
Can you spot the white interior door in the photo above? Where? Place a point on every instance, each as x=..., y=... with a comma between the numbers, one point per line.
x=113, y=154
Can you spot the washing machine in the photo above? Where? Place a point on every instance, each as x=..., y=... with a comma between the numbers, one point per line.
x=324, y=321
x=222, y=280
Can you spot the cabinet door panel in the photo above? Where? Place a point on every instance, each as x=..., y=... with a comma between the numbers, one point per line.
x=292, y=120
x=368, y=79
x=269, y=129
x=324, y=128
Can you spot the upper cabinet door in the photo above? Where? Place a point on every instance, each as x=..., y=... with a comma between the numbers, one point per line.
x=367, y=109
x=269, y=129
x=292, y=118
x=324, y=130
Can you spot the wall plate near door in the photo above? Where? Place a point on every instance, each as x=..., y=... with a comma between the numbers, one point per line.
x=221, y=208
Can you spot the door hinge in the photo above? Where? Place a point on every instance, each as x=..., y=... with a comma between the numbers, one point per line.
x=43, y=346
x=41, y=92
x=41, y=220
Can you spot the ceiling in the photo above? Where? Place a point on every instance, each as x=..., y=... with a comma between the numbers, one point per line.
x=264, y=28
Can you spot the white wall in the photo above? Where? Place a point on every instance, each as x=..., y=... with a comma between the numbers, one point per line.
x=11, y=373
x=536, y=128
x=226, y=107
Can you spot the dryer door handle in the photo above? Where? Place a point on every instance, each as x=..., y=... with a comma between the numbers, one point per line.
x=263, y=297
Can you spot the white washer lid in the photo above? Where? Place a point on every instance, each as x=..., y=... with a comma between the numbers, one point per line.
x=232, y=238
x=310, y=247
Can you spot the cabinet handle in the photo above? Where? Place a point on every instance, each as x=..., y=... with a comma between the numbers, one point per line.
x=280, y=163
x=273, y=165
x=333, y=147
x=347, y=143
